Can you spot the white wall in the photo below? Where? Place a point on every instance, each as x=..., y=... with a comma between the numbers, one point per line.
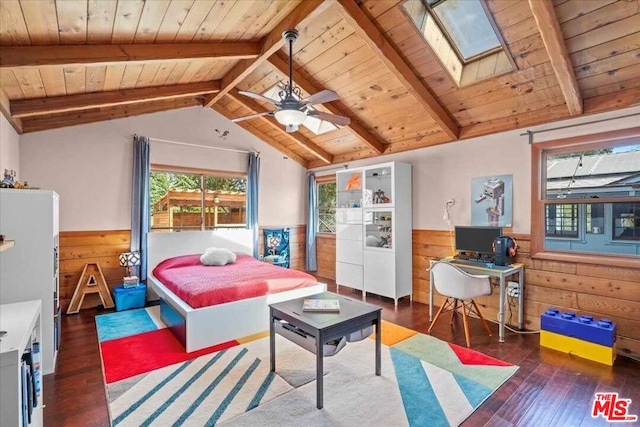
x=445, y=171
x=9, y=148
x=90, y=165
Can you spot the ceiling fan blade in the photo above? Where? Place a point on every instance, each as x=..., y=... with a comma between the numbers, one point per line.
x=333, y=118
x=258, y=97
x=320, y=97
x=252, y=116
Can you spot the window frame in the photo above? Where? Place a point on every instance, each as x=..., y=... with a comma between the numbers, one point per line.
x=320, y=180
x=154, y=167
x=575, y=208
x=501, y=43
x=539, y=151
x=636, y=229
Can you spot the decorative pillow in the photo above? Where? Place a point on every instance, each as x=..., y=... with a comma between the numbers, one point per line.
x=218, y=256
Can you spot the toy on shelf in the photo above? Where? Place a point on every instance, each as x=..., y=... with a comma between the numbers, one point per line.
x=582, y=336
x=354, y=182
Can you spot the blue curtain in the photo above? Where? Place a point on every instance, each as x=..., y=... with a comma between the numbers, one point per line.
x=312, y=226
x=253, y=176
x=140, y=201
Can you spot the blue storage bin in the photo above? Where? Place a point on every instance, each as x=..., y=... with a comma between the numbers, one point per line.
x=127, y=298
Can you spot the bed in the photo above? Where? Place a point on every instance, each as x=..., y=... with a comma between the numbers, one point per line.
x=202, y=327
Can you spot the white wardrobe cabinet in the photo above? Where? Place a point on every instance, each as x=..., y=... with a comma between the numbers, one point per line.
x=373, y=233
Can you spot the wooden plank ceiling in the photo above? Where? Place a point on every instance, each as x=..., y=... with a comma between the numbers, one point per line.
x=67, y=62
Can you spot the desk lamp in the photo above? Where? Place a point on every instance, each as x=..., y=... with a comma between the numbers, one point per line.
x=129, y=260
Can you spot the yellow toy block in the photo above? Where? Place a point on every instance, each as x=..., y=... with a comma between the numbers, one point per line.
x=588, y=350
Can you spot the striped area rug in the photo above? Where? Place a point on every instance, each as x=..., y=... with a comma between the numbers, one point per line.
x=424, y=382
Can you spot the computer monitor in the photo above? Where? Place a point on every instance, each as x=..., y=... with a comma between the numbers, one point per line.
x=476, y=239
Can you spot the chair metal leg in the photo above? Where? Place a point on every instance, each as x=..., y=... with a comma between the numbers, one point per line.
x=438, y=315
x=466, y=324
x=484, y=322
x=455, y=308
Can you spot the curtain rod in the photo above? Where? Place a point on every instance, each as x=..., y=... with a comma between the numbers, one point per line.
x=345, y=166
x=201, y=146
x=530, y=133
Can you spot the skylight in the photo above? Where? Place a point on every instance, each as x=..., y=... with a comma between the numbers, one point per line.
x=467, y=26
x=314, y=124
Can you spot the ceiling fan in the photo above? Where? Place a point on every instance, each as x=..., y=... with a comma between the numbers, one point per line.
x=291, y=110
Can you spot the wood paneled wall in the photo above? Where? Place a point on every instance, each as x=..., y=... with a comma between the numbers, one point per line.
x=326, y=254
x=78, y=248
x=598, y=290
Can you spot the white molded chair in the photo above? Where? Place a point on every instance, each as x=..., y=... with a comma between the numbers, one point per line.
x=460, y=286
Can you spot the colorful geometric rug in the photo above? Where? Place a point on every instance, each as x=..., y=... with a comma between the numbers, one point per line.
x=424, y=381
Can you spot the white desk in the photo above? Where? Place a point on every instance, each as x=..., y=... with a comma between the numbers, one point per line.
x=502, y=273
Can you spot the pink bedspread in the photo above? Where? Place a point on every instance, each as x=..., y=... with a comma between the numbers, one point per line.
x=201, y=286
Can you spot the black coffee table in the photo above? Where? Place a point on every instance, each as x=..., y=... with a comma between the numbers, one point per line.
x=324, y=327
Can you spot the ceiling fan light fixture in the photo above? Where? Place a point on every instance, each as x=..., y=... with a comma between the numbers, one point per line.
x=290, y=117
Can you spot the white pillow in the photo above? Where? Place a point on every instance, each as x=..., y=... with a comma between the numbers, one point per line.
x=218, y=256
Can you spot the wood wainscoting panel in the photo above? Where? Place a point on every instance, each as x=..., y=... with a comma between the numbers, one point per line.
x=77, y=248
x=598, y=290
x=601, y=291
x=326, y=254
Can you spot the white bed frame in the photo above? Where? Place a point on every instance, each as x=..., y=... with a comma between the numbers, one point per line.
x=203, y=327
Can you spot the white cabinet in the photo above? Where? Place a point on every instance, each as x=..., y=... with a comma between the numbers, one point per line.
x=349, y=247
x=374, y=226
x=21, y=324
x=29, y=270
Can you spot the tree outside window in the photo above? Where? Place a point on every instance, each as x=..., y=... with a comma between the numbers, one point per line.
x=326, y=207
x=196, y=201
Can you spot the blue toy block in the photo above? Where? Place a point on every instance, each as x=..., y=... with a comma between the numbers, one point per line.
x=586, y=328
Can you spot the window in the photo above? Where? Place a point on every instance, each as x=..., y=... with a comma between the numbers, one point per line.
x=626, y=221
x=463, y=36
x=196, y=200
x=467, y=27
x=562, y=220
x=586, y=199
x=595, y=218
x=326, y=205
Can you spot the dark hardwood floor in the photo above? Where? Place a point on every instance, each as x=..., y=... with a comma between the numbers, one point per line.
x=549, y=389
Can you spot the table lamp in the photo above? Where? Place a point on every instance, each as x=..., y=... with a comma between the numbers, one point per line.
x=129, y=260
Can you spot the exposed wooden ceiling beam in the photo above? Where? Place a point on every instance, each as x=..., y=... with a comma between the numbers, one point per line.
x=299, y=139
x=335, y=107
x=37, y=56
x=269, y=45
x=72, y=118
x=262, y=136
x=5, y=108
x=85, y=101
x=382, y=47
x=545, y=16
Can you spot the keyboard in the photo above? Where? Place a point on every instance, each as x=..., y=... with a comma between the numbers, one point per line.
x=480, y=264
x=469, y=262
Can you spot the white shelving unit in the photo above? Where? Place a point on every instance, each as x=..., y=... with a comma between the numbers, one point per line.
x=21, y=322
x=373, y=233
x=29, y=270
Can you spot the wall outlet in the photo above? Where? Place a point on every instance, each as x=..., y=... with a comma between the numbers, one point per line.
x=513, y=289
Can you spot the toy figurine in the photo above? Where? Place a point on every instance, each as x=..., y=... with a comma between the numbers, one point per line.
x=380, y=197
x=354, y=182
x=7, y=182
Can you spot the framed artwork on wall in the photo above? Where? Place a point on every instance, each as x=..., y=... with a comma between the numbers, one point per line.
x=492, y=201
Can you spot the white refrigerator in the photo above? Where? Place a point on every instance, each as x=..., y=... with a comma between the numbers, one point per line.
x=29, y=269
